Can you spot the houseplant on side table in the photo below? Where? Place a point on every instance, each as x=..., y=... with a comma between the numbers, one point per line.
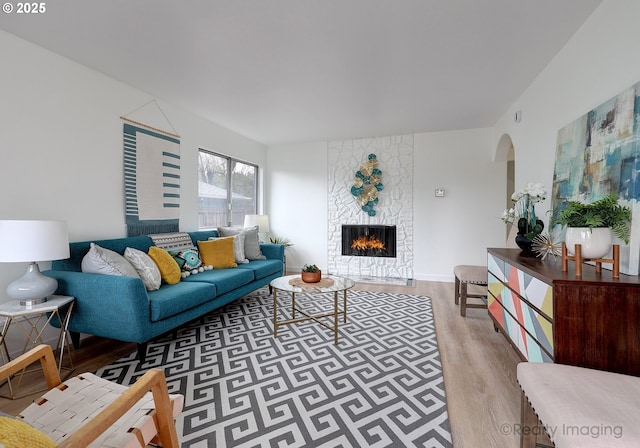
x=311, y=273
x=592, y=225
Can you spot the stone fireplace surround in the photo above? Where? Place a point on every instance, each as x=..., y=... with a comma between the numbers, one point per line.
x=395, y=206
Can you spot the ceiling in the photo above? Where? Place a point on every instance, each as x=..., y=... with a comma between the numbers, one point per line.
x=283, y=71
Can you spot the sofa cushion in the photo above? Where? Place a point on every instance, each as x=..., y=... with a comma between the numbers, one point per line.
x=104, y=261
x=170, y=300
x=225, y=280
x=203, y=235
x=169, y=269
x=218, y=253
x=263, y=268
x=145, y=267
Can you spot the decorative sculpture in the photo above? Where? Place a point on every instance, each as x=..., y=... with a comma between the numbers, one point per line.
x=367, y=184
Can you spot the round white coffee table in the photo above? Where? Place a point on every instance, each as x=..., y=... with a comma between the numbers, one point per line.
x=293, y=284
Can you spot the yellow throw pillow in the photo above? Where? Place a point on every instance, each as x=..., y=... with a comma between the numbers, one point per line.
x=169, y=269
x=218, y=253
x=16, y=433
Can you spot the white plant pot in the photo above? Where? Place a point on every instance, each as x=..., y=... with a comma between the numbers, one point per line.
x=595, y=243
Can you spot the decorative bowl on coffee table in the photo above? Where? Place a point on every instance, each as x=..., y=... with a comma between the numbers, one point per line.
x=311, y=277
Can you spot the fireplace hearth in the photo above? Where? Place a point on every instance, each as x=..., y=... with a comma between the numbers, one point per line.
x=361, y=240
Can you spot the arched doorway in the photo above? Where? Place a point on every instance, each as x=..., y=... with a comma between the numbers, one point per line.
x=505, y=152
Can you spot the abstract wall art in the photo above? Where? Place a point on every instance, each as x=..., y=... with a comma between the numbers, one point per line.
x=599, y=154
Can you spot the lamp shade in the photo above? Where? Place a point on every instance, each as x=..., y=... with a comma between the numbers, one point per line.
x=262, y=221
x=29, y=241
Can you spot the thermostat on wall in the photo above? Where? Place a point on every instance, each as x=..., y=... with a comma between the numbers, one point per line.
x=439, y=192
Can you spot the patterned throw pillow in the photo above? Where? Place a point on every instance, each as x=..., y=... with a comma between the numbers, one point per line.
x=146, y=268
x=169, y=269
x=188, y=260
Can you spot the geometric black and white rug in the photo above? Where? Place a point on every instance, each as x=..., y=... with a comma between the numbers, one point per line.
x=381, y=386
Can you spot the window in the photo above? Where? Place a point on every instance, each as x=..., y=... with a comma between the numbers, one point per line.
x=227, y=190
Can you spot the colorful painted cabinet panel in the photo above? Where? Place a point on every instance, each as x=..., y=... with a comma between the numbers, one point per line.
x=496, y=266
x=538, y=293
x=525, y=322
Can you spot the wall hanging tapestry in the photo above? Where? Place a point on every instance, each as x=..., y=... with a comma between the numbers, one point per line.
x=599, y=154
x=151, y=180
x=367, y=184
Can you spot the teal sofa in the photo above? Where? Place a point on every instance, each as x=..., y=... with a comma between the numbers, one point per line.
x=121, y=308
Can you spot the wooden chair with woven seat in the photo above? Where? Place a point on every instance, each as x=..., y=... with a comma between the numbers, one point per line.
x=89, y=411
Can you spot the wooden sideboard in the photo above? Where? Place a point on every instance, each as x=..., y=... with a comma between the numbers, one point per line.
x=553, y=316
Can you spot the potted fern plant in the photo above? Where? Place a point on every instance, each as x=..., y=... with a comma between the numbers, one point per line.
x=311, y=273
x=592, y=225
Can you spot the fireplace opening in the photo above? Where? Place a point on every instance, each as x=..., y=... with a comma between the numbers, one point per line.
x=368, y=240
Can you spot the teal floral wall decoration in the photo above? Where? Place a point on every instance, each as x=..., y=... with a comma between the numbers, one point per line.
x=367, y=184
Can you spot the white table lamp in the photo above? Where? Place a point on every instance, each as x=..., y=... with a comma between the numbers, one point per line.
x=262, y=221
x=33, y=241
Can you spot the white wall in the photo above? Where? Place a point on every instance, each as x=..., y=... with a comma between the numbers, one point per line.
x=296, y=187
x=456, y=229
x=599, y=62
x=61, y=145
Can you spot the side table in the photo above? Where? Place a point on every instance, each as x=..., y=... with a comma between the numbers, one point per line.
x=32, y=322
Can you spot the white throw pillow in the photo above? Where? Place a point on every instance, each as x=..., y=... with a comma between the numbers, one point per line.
x=251, y=242
x=238, y=248
x=104, y=261
x=145, y=267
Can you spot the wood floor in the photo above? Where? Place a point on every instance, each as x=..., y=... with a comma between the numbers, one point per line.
x=479, y=367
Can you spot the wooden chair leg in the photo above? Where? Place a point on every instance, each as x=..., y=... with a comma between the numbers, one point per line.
x=528, y=423
x=463, y=299
x=75, y=339
x=457, y=290
x=142, y=352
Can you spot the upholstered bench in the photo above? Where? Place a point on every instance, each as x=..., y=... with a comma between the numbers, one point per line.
x=465, y=275
x=578, y=407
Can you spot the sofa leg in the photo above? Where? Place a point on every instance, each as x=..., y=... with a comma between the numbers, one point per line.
x=75, y=339
x=142, y=352
x=270, y=290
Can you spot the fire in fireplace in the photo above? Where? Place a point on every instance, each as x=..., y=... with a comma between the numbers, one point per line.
x=369, y=240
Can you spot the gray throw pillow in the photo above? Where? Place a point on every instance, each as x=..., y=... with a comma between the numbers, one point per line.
x=251, y=242
x=105, y=261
